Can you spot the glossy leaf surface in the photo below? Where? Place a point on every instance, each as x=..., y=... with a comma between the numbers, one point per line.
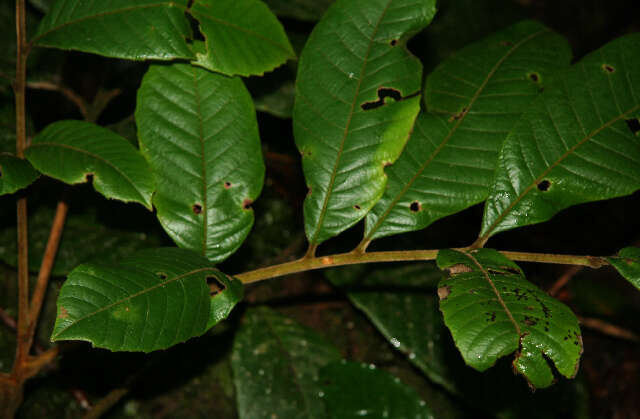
x=627, y=263
x=402, y=304
x=199, y=132
x=492, y=311
x=15, y=174
x=243, y=37
x=151, y=300
x=131, y=29
x=472, y=99
x=276, y=365
x=77, y=151
x=354, y=390
x=355, y=106
x=573, y=144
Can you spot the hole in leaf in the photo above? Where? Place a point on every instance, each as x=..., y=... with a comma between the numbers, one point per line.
x=88, y=177
x=215, y=286
x=608, y=68
x=544, y=185
x=246, y=204
x=197, y=209
x=534, y=77
x=415, y=206
x=161, y=275
x=459, y=115
x=227, y=185
x=634, y=125
x=356, y=207
x=383, y=93
x=393, y=42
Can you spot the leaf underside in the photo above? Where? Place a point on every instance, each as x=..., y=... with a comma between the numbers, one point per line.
x=199, y=132
x=131, y=29
x=627, y=263
x=242, y=37
x=573, y=144
x=77, y=151
x=276, y=365
x=151, y=300
x=355, y=107
x=473, y=99
x=492, y=311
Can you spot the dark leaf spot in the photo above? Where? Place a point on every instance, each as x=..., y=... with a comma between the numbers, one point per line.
x=608, y=68
x=197, y=209
x=443, y=292
x=634, y=125
x=393, y=42
x=544, y=185
x=534, y=77
x=530, y=321
x=88, y=177
x=246, y=204
x=63, y=313
x=357, y=207
x=383, y=93
x=161, y=275
x=415, y=206
x=215, y=285
x=227, y=185
x=459, y=115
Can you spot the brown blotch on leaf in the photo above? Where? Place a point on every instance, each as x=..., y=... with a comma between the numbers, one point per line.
x=415, y=206
x=215, y=286
x=459, y=115
x=534, y=77
x=161, y=275
x=544, y=185
x=357, y=207
x=506, y=43
x=227, y=185
x=197, y=209
x=393, y=42
x=64, y=314
x=246, y=204
x=386, y=163
x=443, y=292
x=608, y=68
x=459, y=268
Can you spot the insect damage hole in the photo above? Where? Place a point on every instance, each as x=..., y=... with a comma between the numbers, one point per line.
x=161, y=275
x=227, y=185
x=215, y=286
x=197, y=209
x=534, y=77
x=383, y=93
x=544, y=185
x=608, y=68
x=357, y=207
x=415, y=206
x=246, y=204
x=393, y=42
x=633, y=124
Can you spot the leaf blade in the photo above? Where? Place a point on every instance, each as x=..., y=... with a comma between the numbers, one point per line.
x=15, y=174
x=345, y=125
x=242, y=37
x=449, y=160
x=205, y=154
x=572, y=146
x=492, y=311
x=151, y=300
x=85, y=149
x=627, y=263
x=130, y=29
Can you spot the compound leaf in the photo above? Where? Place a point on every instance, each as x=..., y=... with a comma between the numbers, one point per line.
x=76, y=151
x=276, y=365
x=627, y=263
x=355, y=106
x=131, y=29
x=473, y=99
x=350, y=388
x=573, y=144
x=151, y=300
x=199, y=132
x=492, y=311
x=242, y=37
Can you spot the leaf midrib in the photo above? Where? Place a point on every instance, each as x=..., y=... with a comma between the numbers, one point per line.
x=450, y=134
x=345, y=133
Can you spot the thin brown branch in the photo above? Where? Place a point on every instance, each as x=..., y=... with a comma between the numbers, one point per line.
x=609, y=329
x=65, y=91
x=564, y=279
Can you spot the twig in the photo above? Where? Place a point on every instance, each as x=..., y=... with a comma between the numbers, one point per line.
x=608, y=329
x=564, y=279
x=65, y=91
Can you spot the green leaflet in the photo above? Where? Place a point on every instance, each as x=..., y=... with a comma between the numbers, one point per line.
x=572, y=145
x=242, y=37
x=76, y=151
x=276, y=365
x=627, y=263
x=132, y=29
x=15, y=174
x=151, y=300
x=354, y=390
x=492, y=311
x=355, y=107
x=473, y=99
x=199, y=132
